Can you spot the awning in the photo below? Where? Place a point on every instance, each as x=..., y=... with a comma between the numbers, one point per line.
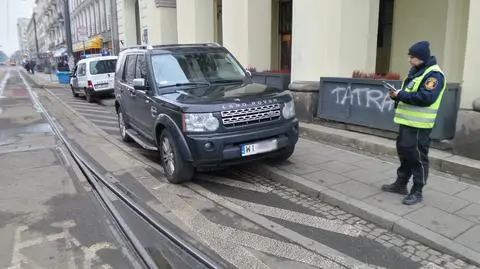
x=93, y=43
x=59, y=52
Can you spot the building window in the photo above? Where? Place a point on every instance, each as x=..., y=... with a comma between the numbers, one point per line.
x=98, y=21
x=385, y=23
x=285, y=31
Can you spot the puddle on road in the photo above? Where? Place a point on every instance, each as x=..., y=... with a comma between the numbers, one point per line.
x=37, y=128
x=7, y=136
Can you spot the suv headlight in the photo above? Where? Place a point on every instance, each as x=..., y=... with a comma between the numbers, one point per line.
x=200, y=122
x=288, y=110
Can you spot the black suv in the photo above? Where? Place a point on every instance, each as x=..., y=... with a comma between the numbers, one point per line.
x=200, y=109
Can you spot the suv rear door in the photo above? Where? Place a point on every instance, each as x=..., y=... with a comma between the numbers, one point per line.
x=128, y=93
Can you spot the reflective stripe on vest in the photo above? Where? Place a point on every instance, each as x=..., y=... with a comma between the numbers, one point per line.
x=417, y=116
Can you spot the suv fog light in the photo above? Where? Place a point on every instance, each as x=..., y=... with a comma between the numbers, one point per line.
x=208, y=146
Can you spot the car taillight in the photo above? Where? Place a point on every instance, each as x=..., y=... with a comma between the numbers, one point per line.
x=90, y=84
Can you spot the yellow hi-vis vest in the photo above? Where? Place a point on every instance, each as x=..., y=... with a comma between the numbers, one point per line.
x=418, y=116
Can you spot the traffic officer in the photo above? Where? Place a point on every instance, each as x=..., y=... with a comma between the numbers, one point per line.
x=416, y=105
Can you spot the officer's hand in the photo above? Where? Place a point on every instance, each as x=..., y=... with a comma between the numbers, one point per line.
x=393, y=93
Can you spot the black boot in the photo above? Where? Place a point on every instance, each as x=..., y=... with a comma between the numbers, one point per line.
x=413, y=198
x=395, y=188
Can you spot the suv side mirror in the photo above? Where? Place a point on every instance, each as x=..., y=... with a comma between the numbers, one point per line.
x=249, y=73
x=139, y=84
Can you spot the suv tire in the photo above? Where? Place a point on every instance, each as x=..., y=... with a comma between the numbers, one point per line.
x=176, y=169
x=284, y=154
x=122, y=126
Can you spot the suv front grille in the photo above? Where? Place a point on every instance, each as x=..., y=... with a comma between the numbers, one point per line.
x=251, y=115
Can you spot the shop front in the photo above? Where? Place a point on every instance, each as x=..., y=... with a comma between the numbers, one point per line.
x=92, y=46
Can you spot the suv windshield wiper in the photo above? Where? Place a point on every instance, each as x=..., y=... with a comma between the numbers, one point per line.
x=206, y=84
x=227, y=80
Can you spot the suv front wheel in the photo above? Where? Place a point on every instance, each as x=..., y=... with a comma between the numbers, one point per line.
x=122, y=126
x=176, y=169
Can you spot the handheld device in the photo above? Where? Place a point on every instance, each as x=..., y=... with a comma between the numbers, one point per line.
x=388, y=85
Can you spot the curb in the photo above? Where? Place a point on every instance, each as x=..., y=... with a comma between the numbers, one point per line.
x=371, y=213
x=465, y=168
x=43, y=86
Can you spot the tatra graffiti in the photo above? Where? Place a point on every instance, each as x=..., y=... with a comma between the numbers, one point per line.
x=365, y=97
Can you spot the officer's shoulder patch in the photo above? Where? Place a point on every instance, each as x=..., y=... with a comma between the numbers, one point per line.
x=431, y=83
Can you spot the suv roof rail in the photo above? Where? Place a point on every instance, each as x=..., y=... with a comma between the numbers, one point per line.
x=138, y=47
x=211, y=44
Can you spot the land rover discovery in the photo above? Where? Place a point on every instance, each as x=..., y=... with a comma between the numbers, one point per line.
x=199, y=108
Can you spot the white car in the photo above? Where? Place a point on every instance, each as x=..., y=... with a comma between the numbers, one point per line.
x=94, y=77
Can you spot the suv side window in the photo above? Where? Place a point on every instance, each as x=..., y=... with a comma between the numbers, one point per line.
x=129, y=70
x=141, y=68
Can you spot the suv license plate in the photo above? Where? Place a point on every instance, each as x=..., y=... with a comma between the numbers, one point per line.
x=259, y=147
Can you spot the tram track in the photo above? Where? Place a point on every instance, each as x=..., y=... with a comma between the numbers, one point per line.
x=98, y=182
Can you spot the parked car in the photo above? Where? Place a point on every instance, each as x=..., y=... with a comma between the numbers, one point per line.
x=94, y=77
x=197, y=106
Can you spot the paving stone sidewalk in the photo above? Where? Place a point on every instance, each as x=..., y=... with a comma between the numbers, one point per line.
x=46, y=80
x=448, y=218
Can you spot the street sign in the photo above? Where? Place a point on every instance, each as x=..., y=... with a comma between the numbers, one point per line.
x=82, y=33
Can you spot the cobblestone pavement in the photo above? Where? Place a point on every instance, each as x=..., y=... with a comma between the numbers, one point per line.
x=449, y=215
x=248, y=206
x=408, y=248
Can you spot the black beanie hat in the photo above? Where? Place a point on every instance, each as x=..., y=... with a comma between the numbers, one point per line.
x=420, y=50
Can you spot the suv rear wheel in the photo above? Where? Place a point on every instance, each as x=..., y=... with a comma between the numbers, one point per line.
x=176, y=169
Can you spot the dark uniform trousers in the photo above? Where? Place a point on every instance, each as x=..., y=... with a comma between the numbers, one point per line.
x=412, y=148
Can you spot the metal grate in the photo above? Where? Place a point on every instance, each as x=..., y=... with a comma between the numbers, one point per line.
x=251, y=115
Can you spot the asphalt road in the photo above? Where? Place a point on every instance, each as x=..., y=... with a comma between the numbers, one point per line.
x=47, y=218
x=248, y=220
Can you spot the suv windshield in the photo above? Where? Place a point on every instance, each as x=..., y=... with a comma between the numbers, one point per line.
x=102, y=66
x=192, y=67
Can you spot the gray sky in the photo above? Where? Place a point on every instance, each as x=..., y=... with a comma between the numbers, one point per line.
x=8, y=22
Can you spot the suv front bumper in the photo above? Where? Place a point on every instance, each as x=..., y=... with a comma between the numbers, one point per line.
x=226, y=147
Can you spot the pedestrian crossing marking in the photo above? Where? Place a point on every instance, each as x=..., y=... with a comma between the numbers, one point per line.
x=108, y=128
x=108, y=122
x=299, y=218
x=306, y=242
x=96, y=111
x=234, y=183
x=87, y=114
x=219, y=238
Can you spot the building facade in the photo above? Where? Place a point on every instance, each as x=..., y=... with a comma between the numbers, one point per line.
x=147, y=21
x=30, y=36
x=313, y=38
x=321, y=38
x=22, y=24
x=91, y=24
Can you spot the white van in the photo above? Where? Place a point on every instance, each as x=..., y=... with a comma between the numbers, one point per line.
x=94, y=77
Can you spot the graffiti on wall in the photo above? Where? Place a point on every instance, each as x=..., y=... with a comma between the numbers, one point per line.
x=364, y=97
